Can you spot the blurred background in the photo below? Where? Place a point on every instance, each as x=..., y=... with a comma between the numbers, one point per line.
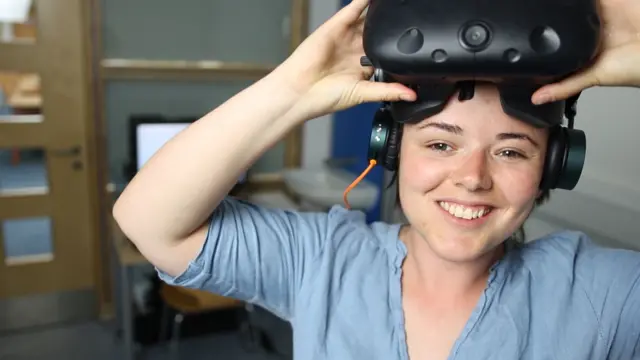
x=89, y=89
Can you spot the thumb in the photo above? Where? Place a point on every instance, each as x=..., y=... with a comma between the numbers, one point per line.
x=565, y=88
x=369, y=91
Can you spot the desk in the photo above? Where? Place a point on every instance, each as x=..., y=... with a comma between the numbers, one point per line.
x=128, y=258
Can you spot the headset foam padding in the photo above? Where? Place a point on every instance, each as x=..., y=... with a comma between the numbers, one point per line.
x=554, y=159
x=393, y=147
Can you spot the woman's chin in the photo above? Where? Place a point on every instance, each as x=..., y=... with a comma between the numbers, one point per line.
x=461, y=248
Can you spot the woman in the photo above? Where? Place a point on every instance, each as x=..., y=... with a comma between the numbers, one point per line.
x=439, y=287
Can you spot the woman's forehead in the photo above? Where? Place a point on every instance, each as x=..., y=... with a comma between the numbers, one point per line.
x=483, y=111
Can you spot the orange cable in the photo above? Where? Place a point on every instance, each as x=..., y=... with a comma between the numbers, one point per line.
x=372, y=163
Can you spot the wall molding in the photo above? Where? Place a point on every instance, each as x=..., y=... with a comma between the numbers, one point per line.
x=204, y=70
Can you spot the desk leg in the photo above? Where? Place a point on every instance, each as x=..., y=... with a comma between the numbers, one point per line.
x=127, y=313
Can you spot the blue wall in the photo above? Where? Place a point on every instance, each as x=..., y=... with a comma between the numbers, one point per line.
x=351, y=130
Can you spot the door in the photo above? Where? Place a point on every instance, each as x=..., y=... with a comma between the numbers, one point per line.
x=47, y=212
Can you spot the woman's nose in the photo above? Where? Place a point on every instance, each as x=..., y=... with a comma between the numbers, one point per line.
x=473, y=173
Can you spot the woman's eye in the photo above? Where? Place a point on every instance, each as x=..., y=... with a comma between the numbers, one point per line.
x=512, y=154
x=441, y=147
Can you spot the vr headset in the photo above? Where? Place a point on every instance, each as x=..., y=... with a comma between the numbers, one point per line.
x=440, y=47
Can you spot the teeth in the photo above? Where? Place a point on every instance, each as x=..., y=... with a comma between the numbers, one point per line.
x=464, y=212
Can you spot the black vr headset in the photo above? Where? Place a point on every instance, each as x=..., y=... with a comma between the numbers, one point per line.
x=440, y=47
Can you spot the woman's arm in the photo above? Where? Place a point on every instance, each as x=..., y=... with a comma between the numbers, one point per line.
x=165, y=207
x=175, y=209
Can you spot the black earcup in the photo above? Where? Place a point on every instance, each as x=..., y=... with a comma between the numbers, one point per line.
x=379, y=138
x=393, y=147
x=566, y=152
x=554, y=158
x=384, y=140
x=575, y=155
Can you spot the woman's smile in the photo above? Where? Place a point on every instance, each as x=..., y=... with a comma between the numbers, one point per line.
x=466, y=215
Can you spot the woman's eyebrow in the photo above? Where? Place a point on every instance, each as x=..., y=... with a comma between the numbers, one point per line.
x=455, y=129
x=517, y=136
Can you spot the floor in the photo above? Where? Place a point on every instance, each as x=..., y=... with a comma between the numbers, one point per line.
x=64, y=327
x=54, y=322
x=96, y=341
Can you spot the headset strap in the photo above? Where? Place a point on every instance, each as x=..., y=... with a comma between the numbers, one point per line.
x=570, y=109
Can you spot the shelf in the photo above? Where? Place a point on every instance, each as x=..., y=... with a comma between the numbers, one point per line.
x=181, y=70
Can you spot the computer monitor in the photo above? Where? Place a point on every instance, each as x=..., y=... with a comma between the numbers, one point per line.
x=148, y=133
x=150, y=137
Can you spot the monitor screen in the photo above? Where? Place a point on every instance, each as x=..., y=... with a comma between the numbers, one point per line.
x=150, y=137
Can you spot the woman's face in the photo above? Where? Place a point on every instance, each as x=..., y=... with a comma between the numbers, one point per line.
x=469, y=175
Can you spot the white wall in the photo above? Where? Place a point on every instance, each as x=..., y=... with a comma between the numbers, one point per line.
x=317, y=132
x=606, y=202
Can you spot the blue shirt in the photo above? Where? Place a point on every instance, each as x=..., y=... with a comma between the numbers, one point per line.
x=336, y=279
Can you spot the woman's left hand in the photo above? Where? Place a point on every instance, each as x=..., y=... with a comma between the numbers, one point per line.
x=618, y=62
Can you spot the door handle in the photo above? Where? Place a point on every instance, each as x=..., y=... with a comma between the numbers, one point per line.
x=70, y=151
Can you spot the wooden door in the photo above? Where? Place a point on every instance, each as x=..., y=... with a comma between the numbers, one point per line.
x=47, y=167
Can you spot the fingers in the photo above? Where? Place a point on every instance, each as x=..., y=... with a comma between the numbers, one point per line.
x=566, y=88
x=368, y=91
x=342, y=23
x=352, y=12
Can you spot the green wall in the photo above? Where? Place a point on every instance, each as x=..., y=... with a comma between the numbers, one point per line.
x=253, y=31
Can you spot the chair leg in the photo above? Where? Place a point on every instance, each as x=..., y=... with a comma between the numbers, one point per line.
x=164, y=324
x=175, y=336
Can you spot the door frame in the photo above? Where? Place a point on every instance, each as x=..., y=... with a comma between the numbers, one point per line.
x=97, y=129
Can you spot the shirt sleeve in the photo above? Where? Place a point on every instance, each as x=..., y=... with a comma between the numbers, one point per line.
x=256, y=254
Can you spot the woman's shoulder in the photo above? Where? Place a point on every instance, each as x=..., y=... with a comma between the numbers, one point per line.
x=574, y=257
x=575, y=249
x=350, y=228
x=569, y=278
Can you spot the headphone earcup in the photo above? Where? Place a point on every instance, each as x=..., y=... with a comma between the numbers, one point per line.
x=379, y=138
x=566, y=152
x=384, y=140
x=393, y=147
x=554, y=159
x=575, y=155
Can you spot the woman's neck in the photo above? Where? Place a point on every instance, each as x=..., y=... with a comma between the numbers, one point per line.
x=426, y=272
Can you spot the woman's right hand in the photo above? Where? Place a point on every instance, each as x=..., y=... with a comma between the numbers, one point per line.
x=325, y=71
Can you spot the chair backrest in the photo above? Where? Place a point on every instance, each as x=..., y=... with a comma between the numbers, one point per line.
x=195, y=301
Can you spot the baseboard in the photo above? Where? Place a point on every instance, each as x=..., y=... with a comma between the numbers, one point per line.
x=28, y=313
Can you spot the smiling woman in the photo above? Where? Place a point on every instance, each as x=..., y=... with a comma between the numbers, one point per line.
x=471, y=159
x=442, y=285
